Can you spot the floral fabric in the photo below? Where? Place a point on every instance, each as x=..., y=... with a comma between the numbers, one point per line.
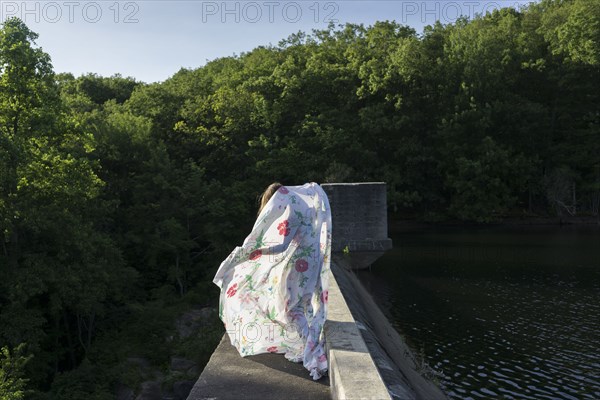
x=274, y=286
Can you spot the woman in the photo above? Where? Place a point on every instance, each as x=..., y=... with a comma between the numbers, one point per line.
x=274, y=287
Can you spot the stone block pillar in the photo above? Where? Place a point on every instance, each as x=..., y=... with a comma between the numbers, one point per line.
x=359, y=221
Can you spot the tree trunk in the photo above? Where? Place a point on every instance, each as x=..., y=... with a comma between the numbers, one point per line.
x=90, y=330
x=529, y=201
x=56, y=342
x=13, y=256
x=85, y=328
x=574, y=200
x=69, y=339
x=180, y=282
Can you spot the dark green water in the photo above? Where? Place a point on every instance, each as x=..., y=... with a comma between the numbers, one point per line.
x=498, y=313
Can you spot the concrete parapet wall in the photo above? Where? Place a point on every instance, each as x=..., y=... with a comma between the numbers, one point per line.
x=396, y=363
x=352, y=371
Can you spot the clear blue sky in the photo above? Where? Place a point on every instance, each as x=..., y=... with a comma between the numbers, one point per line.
x=150, y=40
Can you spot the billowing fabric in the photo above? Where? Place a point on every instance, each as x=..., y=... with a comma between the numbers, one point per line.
x=274, y=286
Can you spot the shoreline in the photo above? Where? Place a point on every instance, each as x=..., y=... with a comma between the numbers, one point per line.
x=400, y=224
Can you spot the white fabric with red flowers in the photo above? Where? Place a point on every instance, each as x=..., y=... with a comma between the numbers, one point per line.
x=274, y=286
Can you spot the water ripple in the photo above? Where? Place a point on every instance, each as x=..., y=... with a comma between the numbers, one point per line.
x=499, y=326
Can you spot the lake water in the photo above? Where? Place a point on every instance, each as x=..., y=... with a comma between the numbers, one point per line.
x=510, y=313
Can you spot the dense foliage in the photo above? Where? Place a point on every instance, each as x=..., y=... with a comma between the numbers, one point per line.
x=118, y=199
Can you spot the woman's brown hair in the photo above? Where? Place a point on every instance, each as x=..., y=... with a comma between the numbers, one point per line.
x=269, y=191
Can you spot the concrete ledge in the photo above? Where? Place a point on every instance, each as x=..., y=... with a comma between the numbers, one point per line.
x=228, y=376
x=352, y=371
x=378, y=245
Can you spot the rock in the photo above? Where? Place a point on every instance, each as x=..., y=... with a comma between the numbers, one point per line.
x=124, y=392
x=182, y=389
x=182, y=364
x=145, y=368
x=140, y=362
x=149, y=390
x=190, y=321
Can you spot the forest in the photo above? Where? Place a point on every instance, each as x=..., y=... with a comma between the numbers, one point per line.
x=120, y=198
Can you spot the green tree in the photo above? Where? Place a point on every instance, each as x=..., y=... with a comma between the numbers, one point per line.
x=58, y=268
x=28, y=105
x=13, y=383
